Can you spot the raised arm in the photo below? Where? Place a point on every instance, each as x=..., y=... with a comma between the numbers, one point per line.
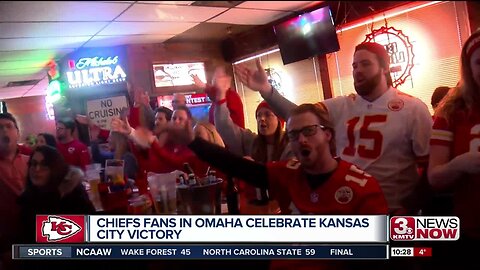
x=257, y=80
x=237, y=139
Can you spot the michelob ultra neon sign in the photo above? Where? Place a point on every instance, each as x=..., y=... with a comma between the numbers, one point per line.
x=94, y=71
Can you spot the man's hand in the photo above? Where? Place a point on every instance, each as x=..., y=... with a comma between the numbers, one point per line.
x=143, y=137
x=467, y=163
x=83, y=119
x=256, y=80
x=121, y=126
x=198, y=82
x=249, y=158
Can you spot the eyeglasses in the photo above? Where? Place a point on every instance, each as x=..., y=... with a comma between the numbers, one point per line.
x=306, y=131
x=41, y=164
x=60, y=128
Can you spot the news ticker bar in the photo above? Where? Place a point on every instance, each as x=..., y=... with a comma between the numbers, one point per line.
x=150, y=252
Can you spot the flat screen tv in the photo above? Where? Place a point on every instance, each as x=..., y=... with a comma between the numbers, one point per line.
x=178, y=74
x=307, y=35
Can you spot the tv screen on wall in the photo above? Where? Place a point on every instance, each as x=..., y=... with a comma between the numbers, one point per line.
x=178, y=74
x=307, y=35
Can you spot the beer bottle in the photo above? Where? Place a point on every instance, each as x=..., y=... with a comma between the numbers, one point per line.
x=188, y=169
x=232, y=197
x=212, y=176
x=182, y=180
x=262, y=196
x=3, y=107
x=191, y=179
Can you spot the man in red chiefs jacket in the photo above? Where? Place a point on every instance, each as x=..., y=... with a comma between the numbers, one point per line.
x=75, y=152
x=223, y=80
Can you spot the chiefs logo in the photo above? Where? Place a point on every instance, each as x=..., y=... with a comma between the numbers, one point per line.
x=344, y=195
x=396, y=104
x=71, y=150
x=60, y=228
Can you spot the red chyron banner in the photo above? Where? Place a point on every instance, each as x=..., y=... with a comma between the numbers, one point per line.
x=424, y=228
x=60, y=229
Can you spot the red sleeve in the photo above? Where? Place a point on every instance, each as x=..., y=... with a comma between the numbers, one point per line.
x=235, y=106
x=278, y=172
x=103, y=134
x=134, y=117
x=141, y=157
x=25, y=150
x=175, y=161
x=442, y=133
x=372, y=200
x=84, y=157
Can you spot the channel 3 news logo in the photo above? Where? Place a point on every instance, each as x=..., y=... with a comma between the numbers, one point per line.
x=424, y=228
x=60, y=229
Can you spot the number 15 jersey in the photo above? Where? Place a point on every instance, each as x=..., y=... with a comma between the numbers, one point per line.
x=385, y=138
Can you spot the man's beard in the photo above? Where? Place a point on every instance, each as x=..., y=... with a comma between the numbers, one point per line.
x=369, y=85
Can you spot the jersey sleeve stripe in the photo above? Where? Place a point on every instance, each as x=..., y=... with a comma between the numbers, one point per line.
x=438, y=134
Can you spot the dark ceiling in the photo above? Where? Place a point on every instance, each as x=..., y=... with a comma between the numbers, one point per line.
x=348, y=11
x=342, y=12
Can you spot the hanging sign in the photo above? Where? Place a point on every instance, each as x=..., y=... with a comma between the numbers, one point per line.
x=101, y=111
x=400, y=50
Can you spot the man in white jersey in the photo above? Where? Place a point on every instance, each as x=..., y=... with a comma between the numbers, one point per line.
x=380, y=129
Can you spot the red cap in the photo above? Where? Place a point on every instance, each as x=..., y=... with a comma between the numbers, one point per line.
x=382, y=54
x=377, y=49
x=472, y=43
x=265, y=105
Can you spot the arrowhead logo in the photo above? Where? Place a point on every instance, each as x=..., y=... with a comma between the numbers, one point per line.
x=61, y=228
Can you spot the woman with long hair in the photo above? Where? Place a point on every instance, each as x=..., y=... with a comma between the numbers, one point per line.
x=455, y=144
x=208, y=132
x=46, y=139
x=52, y=187
x=270, y=144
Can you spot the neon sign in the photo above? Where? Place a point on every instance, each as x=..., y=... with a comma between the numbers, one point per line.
x=400, y=50
x=94, y=71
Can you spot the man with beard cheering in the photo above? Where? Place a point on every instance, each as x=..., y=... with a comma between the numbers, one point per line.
x=382, y=130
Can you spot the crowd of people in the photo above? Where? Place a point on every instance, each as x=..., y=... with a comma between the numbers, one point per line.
x=378, y=151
